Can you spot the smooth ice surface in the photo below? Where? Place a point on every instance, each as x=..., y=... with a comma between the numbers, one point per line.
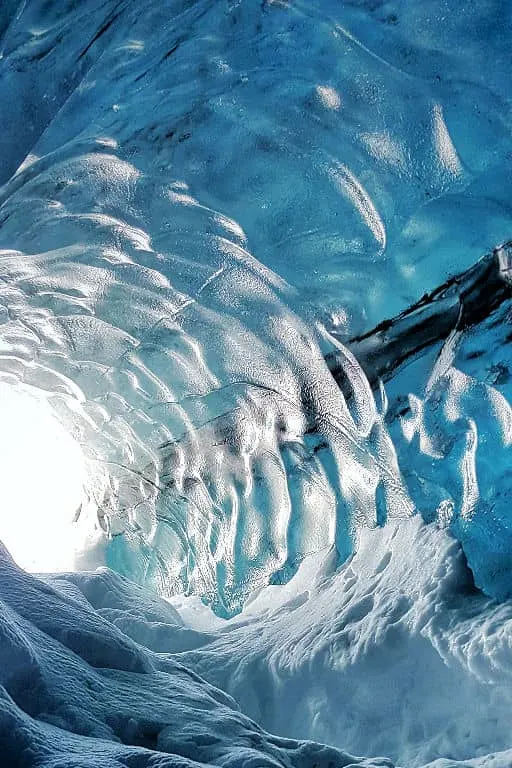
x=199, y=200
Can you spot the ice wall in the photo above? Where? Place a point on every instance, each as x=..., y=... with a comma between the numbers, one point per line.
x=220, y=449
x=195, y=195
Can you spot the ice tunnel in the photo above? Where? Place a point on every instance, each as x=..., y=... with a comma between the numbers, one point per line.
x=255, y=383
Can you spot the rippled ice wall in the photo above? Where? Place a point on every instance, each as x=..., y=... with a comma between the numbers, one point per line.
x=198, y=187
x=200, y=201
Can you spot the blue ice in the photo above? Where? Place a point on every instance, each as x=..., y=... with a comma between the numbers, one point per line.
x=200, y=201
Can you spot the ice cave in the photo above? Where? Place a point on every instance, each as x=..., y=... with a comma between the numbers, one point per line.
x=255, y=383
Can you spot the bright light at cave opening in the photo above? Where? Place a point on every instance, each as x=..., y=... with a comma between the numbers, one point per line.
x=42, y=472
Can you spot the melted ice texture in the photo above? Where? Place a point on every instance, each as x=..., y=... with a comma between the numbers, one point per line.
x=194, y=195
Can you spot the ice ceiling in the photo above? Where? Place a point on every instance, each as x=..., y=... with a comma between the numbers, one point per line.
x=201, y=203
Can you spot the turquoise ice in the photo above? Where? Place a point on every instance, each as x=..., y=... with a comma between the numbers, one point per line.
x=200, y=201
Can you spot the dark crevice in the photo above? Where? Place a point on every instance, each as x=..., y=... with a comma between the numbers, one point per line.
x=459, y=303
x=101, y=31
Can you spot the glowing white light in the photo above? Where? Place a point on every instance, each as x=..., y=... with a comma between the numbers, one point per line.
x=329, y=97
x=42, y=472
x=446, y=151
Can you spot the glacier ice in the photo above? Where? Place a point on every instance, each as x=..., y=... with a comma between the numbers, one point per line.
x=240, y=561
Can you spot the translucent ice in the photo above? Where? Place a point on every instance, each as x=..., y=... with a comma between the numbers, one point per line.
x=200, y=202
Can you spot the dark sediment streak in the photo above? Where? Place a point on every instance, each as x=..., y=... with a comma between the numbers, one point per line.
x=461, y=302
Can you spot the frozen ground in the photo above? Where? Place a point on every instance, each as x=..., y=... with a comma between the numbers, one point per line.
x=199, y=200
